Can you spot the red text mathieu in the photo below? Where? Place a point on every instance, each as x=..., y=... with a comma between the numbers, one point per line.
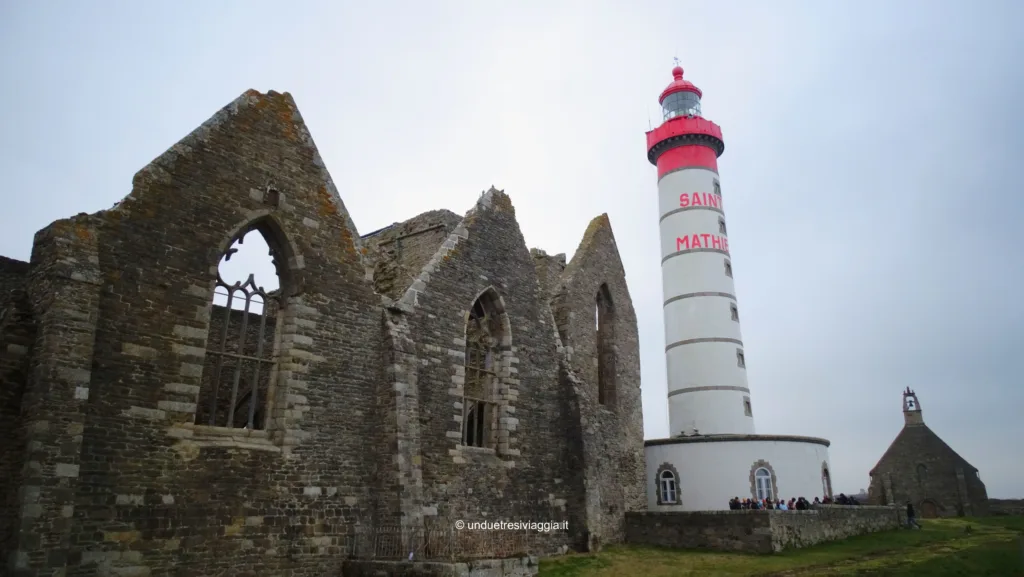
x=704, y=240
x=688, y=199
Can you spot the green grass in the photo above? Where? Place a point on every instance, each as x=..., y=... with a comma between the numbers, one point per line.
x=943, y=548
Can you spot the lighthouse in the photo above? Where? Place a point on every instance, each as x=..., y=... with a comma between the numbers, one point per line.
x=713, y=452
x=707, y=381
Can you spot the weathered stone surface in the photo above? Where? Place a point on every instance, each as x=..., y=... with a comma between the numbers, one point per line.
x=549, y=271
x=746, y=531
x=154, y=259
x=920, y=468
x=604, y=359
x=517, y=476
x=111, y=344
x=399, y=252
x=797, y=529
x=17, y=333
x=758, y=531
x=516, y=567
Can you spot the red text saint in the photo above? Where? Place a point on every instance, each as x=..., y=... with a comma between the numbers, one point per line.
x=710, y=200
x=705, y=240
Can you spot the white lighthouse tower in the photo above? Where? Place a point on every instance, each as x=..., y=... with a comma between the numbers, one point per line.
x=713, y=453
x=707, y=378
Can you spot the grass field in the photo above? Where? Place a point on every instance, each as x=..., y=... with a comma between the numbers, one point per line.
x=942, y=548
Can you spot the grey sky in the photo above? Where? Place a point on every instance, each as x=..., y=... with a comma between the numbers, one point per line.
x=871, y=174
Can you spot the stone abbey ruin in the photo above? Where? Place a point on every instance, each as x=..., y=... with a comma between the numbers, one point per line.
x=435, y=370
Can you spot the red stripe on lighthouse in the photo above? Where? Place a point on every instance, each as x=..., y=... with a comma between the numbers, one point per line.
x=689, y=156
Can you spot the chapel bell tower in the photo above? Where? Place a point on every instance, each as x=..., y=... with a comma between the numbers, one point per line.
x=911, y=408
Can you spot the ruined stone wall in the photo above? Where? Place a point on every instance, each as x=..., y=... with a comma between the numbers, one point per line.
x=113, y=341
x=152, y=493
x=524, y=475
x=399, y=465
x=63, y=293
x=797, y=529
x=398, y=252
x=16, y=336
x=549, y=271
x=13, y=275
x=758, y=531
x=612, y=426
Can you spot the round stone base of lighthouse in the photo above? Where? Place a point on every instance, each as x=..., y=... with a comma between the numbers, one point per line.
x=702, y=473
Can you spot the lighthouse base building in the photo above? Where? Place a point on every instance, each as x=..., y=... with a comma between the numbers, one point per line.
x=702, y=473
x=714, y=453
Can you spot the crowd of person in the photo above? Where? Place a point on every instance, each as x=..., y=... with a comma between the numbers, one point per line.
x=797, y=504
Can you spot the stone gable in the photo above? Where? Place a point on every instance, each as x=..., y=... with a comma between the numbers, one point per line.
x=398, y=253
x=919, y=467
x=521, y=471
x=596, y=323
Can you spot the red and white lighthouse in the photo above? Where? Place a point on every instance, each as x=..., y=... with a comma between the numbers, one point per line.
x=713, y=453
x=707, y=381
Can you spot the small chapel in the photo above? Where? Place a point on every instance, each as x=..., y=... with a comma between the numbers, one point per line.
x=921, y=469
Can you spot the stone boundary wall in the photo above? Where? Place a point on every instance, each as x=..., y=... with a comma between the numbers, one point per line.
x=743, y=531
x=758, y=531
x=798, y=529
x=516, y=567
x=1006, y=506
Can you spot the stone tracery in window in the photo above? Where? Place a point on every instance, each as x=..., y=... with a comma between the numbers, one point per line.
x=484, y=334
x=240, y=355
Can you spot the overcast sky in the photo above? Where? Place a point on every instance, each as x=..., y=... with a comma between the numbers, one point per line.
x=871, y=175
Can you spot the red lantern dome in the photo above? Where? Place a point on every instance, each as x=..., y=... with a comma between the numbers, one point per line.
x=679, y=85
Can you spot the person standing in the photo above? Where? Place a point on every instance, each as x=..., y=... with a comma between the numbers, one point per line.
x=911, y=520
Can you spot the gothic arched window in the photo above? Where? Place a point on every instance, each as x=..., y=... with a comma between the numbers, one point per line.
x=605, y=346
x=240, y=362
x=485, y=331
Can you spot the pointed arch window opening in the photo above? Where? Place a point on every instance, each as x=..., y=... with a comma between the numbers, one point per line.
x=604, y=328
x=240, y=355
x=479, y=405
